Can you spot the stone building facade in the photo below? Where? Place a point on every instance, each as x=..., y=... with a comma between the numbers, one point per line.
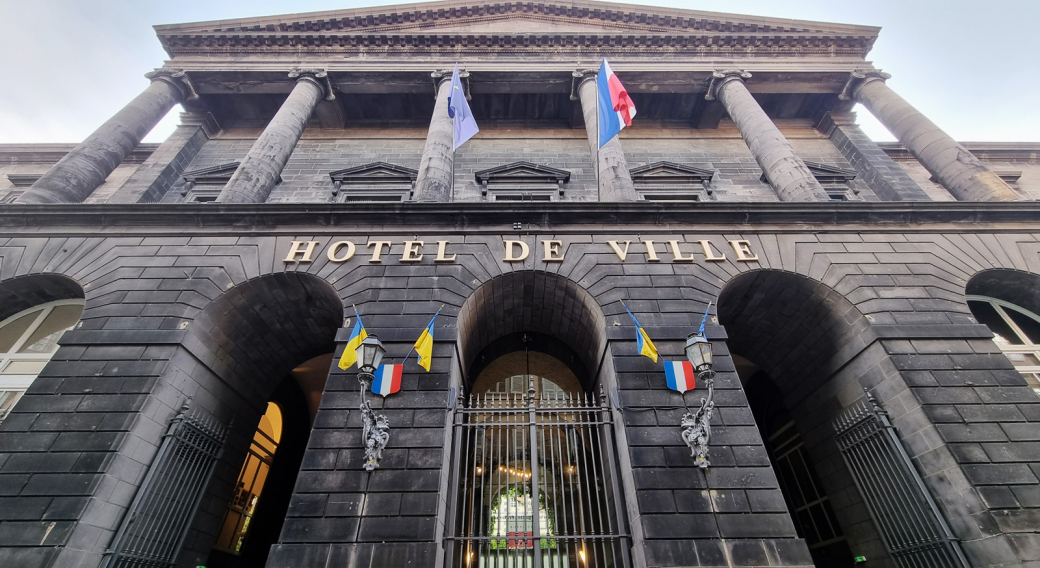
x=171, y=315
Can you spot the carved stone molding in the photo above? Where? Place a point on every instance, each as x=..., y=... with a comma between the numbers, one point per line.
x=317, y=76
x=441, y=75
x=176, y=77
x=720, y=78
x=578, y=77
x=859, y=78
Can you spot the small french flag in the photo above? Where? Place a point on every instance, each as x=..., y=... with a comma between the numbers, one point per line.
x=680, y=375
x=387, y=379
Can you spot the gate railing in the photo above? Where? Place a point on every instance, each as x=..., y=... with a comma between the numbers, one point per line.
x=158, y=520
x=535, y=484
x=910, y=524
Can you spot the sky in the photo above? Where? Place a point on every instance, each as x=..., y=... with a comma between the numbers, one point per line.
x=69, y=65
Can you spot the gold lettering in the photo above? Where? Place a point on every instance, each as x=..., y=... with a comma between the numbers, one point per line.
x=678, y=255
x=552, y=251
x=295, y=249
x=377, y=253
x=743, y=250
x=510, y=245
x=651, y=254
x=441, y=249
x=622, y=254
x=411, y=251
x=709, y=252
x=334, y=249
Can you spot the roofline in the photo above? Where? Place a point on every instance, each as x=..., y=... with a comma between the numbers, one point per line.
x=850, y=29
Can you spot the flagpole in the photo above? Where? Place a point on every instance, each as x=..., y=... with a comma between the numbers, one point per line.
x=405, y=360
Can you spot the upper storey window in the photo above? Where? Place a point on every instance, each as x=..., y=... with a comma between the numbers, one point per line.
x=375, y=182
x=204, y=185
x=667, y=181
x=522, y=181
x=1016, y=331
x=28, y=339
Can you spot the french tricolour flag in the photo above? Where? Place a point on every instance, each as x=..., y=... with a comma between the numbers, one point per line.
x=387, y=379
x=616, y=109
x=680, y=375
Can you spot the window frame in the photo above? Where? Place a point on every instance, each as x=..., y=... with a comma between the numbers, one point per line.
x=1030, y=372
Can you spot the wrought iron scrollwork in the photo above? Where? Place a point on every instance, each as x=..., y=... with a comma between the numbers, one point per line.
x=376, y=428
x=696, y=427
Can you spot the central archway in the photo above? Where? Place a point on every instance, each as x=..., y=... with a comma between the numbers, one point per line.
x=537, y=475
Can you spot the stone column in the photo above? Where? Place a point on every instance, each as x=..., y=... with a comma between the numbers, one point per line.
x=436, y=169
x=152, y=179
x=260, y=170
x=786, y=172
x=612, y=176
x=83, y=169
x=960, y=172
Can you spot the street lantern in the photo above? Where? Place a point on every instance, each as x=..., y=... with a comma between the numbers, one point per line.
x=370, y=354
x=698, y=351
x=375, y=427
x=696, y=427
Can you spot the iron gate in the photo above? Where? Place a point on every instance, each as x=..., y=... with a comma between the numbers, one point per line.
x=158, y=520
x=910, y=524
x=535, y=484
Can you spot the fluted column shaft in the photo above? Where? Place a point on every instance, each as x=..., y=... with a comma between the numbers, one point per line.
x=615, y=182
x=434, y=181
x=260, y=170
x=960, y=172
x=87, y=166
x=785, y=171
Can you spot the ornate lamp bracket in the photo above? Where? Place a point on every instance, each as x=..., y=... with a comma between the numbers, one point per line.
x=696, y=427
x=376, y=427
x=318, y=76
x=859, y=78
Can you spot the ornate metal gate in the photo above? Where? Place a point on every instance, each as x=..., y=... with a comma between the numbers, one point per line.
x=910, y=524
x=154, y=528
x=536, y=484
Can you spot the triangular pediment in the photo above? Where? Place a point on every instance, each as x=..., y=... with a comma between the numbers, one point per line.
x=522, y=172
x=472, y=18
x=212, y=174
x=670, y=172
x=376, y=172
x=828, y=173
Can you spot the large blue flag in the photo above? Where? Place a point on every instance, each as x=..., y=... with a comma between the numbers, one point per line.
x=458, y=109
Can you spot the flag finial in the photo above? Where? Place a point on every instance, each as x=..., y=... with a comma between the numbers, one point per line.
x=704, y=320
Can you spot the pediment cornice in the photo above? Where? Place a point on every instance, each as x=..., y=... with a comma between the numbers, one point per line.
x=515, y=26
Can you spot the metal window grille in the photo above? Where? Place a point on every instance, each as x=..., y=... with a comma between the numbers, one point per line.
x=155, y=526
x=910, y=524
x=535, y=484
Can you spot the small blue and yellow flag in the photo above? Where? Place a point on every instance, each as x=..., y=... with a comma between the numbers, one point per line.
x=643, y=343
x=424, y=345
x=357, y=335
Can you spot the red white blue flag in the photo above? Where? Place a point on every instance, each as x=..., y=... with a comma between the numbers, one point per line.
x=387, y=379
x=680, y=375
x=615, y=109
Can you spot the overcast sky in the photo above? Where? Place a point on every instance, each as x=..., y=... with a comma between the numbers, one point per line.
x=970, y=66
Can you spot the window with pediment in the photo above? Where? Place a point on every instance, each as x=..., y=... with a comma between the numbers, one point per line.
x=373, y=183
x=837, y=182
x=671, y=182
x=522, y=181
x=204, y=185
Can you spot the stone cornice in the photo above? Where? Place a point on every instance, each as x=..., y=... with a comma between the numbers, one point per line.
x=570, y=26
x=996, y=151
x=492, y=218
x=51, y=153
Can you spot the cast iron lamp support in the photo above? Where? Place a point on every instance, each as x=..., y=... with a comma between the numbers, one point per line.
x=376, y=431
x=696, y=427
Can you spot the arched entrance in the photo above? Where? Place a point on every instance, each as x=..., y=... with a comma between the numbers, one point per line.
x=805, y=355
x=535, y=479
x=251, y=365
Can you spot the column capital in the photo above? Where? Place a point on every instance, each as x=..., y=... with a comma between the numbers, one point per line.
x=441, y=75
x=578, y=77
x=176, y=77
x=721, y=77
x=317, y=76
x=861, y=77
